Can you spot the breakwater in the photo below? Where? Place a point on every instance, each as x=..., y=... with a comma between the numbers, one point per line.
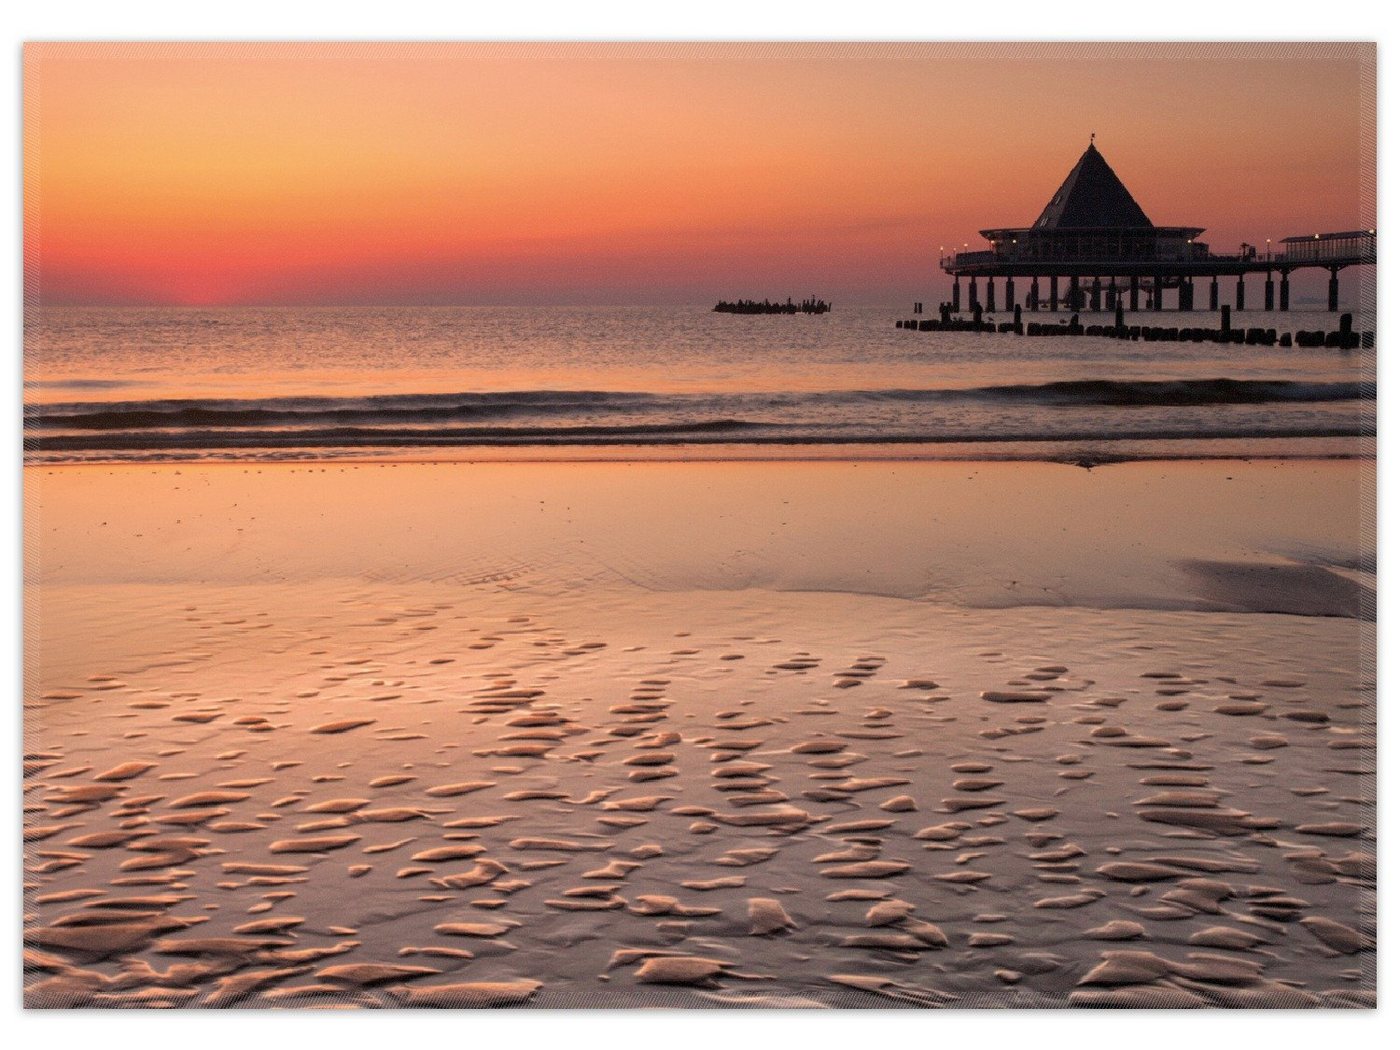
x=1343, y=337
x=753, y=306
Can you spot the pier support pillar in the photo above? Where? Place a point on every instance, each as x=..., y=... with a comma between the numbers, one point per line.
x=972, y=301
x=1133, y=293
x=1096, y=296
x=1283, y=291
x=1214, y=294
x=1076, y=296
x=1054, y=293
x=1332, y=291
x=1011, y=303
x=1268, y=290
x=957, y=295
x=1239, y=293
x=1157, y=292
x=1035, y=294
x=1114, y=300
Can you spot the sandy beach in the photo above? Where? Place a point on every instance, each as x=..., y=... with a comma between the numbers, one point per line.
x=828, y=734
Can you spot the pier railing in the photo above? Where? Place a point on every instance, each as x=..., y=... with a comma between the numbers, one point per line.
x=1353, y=247
x=1160, y=253
x=1329, y=250
x=967, y=259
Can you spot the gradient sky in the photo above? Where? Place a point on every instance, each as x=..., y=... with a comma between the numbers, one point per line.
x=550, y=173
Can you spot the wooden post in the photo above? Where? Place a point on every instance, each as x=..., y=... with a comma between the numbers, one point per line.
x=1133, y=293
x=1157, y=292
x=1268, y=290
x=1011, y=303
x=1096, y=296
x=1239, y=293
x=957, y=295
x=1214, y=294
x=1076, y=297
x=1054, y=292
x=1332, y=290
x=1283, y=291
x=1035, y=294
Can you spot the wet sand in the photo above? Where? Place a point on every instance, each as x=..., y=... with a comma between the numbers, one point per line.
x=700, y=735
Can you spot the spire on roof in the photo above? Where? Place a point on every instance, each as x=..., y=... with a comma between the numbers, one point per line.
x=1092, y=196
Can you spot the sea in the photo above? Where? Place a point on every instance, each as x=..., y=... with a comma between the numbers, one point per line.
x=405, y=383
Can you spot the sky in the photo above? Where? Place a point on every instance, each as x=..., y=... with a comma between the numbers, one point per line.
x=228, y=174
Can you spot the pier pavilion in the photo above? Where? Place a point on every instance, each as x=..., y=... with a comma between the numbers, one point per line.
x=1095, y=238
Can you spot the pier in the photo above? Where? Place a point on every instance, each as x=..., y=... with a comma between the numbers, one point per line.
x=1094, y=248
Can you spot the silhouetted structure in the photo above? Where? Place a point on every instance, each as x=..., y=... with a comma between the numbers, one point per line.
x=1344, y=338
x=753, y=306
x=1094, y=235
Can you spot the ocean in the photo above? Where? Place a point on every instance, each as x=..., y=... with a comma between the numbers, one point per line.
x=262, y=384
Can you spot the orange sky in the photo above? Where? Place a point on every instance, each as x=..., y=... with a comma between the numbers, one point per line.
x=494, y=173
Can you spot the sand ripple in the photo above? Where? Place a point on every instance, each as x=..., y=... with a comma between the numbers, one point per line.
x=1012, y=814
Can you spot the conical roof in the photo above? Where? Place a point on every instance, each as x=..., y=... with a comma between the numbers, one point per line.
x=1092, y=196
